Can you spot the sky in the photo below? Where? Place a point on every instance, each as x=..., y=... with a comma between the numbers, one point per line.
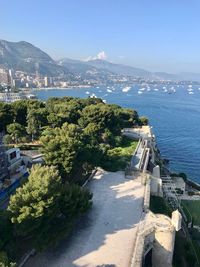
x=157, y=35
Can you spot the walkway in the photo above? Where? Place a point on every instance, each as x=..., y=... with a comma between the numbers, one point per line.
x=106, y=237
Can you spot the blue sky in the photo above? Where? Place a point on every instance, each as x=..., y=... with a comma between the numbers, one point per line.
x=159, y=35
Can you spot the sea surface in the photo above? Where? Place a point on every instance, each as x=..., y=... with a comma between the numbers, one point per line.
x=174, y=113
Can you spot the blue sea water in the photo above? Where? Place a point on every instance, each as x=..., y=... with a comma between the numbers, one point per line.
x=175, y=118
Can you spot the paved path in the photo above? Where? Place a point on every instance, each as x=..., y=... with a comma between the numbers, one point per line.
x=107, y=235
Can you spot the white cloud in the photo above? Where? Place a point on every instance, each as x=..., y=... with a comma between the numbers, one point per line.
x=101, y=55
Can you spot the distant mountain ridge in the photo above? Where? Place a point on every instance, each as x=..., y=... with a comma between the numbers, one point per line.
x=119, y=68
x=29, y=58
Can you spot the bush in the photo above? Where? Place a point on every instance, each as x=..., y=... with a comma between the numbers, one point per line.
x=144, y=120
x=7, y=139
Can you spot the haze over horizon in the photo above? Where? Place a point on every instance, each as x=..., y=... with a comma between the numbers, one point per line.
x=154, y=35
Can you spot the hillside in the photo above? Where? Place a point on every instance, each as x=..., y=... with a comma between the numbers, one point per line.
x=119, y=68
x=28, y=58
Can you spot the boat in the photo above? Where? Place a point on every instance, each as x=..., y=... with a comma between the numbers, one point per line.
x=93, y=96
x=126, y=89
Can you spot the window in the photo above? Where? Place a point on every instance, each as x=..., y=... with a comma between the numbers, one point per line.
x=13, y=155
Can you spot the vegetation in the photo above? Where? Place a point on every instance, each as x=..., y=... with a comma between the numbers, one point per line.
x=45, y=203
x=159, y=205
x=7, y=240
x=193, y=206
x=75, y=135
x=183, y=252
x=119, y=157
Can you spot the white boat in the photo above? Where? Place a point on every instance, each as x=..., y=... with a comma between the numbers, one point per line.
x=126, y=89
x=140, y=92
x=93, y=96
x=87, y=93
x=109, y=91
x=190, y=93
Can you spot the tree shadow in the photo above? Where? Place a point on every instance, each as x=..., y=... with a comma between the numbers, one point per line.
x=107, y=231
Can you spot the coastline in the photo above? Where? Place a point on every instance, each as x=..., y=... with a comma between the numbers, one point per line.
x=61, y=88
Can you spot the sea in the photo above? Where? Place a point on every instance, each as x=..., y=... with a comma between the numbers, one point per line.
x=173, y=112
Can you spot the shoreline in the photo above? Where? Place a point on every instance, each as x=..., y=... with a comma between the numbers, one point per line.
x=61, y=88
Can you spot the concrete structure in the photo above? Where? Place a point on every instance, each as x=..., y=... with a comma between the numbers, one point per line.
x=3, y=159
x=31, y=157
x=16, y=170
x=14, y=159
x=145, y=151
x=156, y=182
x=155, y=242
x=179, y=184
x=176, y=219
x=156, y=234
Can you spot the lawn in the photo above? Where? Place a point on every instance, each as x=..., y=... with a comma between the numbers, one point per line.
x=119, y=157
x=193, y=206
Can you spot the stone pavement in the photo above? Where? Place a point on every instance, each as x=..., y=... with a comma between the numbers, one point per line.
x=107, y=234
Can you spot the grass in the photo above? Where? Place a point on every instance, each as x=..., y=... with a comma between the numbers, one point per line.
x=183, y=252
x=193, y=206
x=120, y=156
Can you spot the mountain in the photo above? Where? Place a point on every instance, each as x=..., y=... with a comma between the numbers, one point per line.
x=28, y=58
x=84, y=69
x=190, y=76
x=165, y=76
x=119, y=68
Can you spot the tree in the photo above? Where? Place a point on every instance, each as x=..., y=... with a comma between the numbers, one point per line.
x=101, y=114
x=16, y=131
x=6, y=115
x=36, y=119
x=64, y=148
x=74, y=200
x=143, y=120
x=20, y=111
x=35, y=200
x=7, y=240
x=44, y=208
